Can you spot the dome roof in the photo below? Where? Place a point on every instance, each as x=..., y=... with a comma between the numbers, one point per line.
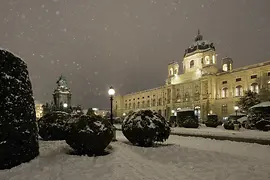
x=199, y=44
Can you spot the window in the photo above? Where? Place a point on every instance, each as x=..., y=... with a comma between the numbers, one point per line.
x=239, y=91
x=268, y=74
x=129, y=106
x=143, y=105
x=138, y=105
x=238, y=79
x=224, y=82
x=253, y=76
x=175, y=71
x=207, y=60
x=224, y=109
x=214, y=59
x=225, y=67
x=126, y=106
x=133, y=105
x=254, y=87
x=202, y=61
x=224, y=92
x=148, y=103
x=171, y=71
x=154, y=102
x=159, y=102
x=191, y=64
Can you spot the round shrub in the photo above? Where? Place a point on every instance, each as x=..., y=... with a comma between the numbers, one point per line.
x=53, y=126
x=212, y=121
x=145, y=127
x=90, y=134
x=186, y=118
x=229, y=125
x=18, y=128
x=259, y=118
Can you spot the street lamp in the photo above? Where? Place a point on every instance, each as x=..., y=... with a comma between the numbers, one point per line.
x=111, y=93
x=236, y=109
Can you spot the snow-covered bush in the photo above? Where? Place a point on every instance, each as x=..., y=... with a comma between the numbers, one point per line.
x=145, y=127
x=259, y=116
x=232, y=120
x=18, y=128
x=53, y=126
x=212, y=121
x=90, y=134
x=186, y=118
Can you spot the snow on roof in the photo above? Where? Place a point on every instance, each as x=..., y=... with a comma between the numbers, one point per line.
x=242, y=119
x=263, y=104
x=184, y=109
x=238, y=114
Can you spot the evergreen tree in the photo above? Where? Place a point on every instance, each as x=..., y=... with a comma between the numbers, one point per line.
x=90, y=112
x=264, y=95
x=248, y=100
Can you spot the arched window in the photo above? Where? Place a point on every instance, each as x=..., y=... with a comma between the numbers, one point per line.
x=225, y=67
x=239, y=91
x=214, y=59
x=207, y=60
x=176, y=71
x=154, y=102
x=143, y=105
x=138, y=105
x=254, y=87
x=133, y=105
x=159, y=102
x=171, y=71
x=191, y=64
x=224, y=92
x=129, y=106
x=148, y=103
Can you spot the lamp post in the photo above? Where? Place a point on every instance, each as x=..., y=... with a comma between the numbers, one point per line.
x=111, y=93
x=236, y=109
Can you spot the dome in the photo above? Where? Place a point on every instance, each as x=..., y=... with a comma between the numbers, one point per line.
x=199, y=44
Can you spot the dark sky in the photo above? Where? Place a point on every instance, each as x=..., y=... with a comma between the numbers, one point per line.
x=125, y=43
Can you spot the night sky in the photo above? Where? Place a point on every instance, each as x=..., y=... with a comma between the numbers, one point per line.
x=125, y=43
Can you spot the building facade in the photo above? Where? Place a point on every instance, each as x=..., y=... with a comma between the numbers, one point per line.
x=39, y=109
x=62, y=94
x=203, y=86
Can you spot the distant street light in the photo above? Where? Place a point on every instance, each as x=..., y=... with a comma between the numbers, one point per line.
x=111, y=93
x=236, y=108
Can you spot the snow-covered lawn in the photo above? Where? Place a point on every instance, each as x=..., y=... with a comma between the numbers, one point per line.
x=183, y=158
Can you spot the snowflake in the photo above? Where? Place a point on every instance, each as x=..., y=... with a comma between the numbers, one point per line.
x=57, y=13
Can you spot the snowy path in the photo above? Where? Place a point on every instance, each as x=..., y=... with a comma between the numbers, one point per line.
x=182, y=158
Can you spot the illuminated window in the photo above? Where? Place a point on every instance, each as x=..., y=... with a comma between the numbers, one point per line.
x=171, y=71
x=224, y=92
x=254, y=87
x=225, y=67
x=239, y=91
x=214, y=59
x=207, y=60
x=191, y=64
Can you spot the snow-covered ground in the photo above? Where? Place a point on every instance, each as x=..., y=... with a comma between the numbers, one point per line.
x=183, y=158
x=220, y=131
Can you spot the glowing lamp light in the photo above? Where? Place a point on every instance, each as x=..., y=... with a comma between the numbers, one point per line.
x=65, y=105
x=236, y=108
x=124, y=114
x=111, y=91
